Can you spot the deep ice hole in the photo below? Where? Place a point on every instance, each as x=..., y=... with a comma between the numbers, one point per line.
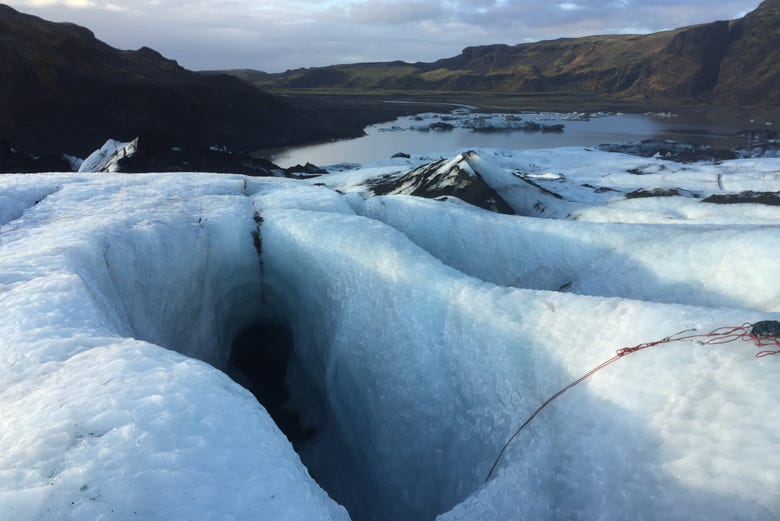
x=203, y=293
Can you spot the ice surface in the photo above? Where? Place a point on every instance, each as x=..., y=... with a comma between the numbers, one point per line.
x=425, y=332
x=105, y=156
x=97, y=421
x=689, y=264
x=19, y=193
x=466, y=385
x=591, y=185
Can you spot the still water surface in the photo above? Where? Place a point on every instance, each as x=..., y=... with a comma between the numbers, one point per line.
x=383, y=140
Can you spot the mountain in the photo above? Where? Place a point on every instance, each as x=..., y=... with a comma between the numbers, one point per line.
x=64, y=90
x=724, y=62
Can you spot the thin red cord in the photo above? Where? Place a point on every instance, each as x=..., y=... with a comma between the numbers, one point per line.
x=721, y=335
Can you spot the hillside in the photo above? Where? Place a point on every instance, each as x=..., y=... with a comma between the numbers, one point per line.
x=725, y=62
x=64, y=90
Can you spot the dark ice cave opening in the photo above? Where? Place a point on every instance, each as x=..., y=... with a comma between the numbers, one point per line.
x=263, y=359
x=259, y=360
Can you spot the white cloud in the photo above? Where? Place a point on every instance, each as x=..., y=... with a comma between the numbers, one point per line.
x=117, y=8
x=77, y=4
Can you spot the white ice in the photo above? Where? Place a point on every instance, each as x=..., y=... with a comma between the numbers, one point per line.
x=99, y=419
x=425, y=333
x=105, y=157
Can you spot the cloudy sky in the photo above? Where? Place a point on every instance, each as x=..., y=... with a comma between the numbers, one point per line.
x=275, y=35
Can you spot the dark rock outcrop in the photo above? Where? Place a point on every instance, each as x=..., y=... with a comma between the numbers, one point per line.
x=653, y=192
x=768, y=198
x=16, y=159
x=669, y=150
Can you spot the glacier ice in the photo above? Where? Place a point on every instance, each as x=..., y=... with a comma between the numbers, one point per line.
x=105, y=156
x=424, y=332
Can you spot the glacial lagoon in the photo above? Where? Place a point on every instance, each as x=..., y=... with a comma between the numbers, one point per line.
x=413, y=135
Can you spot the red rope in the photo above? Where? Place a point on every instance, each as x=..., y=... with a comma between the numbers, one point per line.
x=721, y=335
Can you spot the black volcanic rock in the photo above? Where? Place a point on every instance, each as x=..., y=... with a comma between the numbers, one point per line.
x=16, y=159
x=749, y=197
x=64, y=90
x=643, y=193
